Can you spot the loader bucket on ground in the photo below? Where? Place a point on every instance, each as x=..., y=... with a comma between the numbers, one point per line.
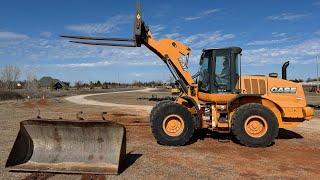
x=68, y=146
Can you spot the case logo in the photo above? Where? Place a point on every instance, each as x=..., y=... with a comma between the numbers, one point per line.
x=283, y=90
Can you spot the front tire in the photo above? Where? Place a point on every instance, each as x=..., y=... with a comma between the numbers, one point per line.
x=254, y=125
x=171, y=124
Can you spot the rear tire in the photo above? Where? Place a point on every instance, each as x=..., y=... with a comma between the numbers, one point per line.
x=254, y=125
x=171, y=124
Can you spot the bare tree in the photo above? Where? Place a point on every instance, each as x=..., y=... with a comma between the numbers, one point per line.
x=10, y=75
x=78, y=85
x=32, y=85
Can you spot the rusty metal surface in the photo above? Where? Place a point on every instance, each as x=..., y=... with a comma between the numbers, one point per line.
x=68, y=146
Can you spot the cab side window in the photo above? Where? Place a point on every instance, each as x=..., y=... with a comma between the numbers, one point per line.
x=204, y=78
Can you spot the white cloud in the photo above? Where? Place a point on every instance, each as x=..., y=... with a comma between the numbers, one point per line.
x=45, y=34
x=208, y=12
x=266, y=42
x=145, y=76
x=316, y=3
x=173, y=35
x=110, y=25
x=145, y=63
x=12, y=36
x=202, y=40
x=156, y=29
x=202, y=14
x=286, y=17
x=61, y=54
x=81, y=65
x=42, y=50
x=278, y=34
x=302, y=53
x=191, y=18
x=61, y=50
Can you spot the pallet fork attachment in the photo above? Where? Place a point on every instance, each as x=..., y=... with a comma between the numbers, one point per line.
x=139, y=34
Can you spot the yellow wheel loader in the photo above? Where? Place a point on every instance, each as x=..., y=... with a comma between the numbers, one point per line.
x=252, y=108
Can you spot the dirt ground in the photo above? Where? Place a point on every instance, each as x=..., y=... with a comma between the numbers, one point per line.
x=131, y=98
x=295, y=154
x=313, y=98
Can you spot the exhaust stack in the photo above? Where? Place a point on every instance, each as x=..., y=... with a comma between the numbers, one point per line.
x=284, y=69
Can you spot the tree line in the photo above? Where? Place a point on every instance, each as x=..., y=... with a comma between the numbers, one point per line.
x=10, y=75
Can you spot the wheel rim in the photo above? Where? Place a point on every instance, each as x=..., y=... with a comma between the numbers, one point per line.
x=173, y=125
x=256, y=126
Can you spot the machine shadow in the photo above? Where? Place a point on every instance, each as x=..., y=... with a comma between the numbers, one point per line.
x=225, y=137
x=287, y=134
x=201, y=134
x=129, y=160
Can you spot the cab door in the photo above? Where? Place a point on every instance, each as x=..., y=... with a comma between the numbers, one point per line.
x=219, y=75
x=221, y=72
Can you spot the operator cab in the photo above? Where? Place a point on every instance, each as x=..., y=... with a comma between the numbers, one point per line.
x=219, y=70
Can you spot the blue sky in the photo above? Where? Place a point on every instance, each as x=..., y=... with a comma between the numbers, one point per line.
x=269, y=32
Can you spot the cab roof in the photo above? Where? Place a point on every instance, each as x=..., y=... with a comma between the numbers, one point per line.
x=233, y=49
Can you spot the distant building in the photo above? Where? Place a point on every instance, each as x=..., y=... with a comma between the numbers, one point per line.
x=47, y=82
x=50, y=83
x=58, y=85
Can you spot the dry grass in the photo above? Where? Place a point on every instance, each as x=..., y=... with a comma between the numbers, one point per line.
x=9, y=95
x=210, y=155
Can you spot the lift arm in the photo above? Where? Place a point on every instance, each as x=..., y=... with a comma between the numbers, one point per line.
x=172, y=52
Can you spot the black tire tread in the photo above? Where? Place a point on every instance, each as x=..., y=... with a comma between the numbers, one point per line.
x=238, y=120
x=157, y=106
x=166, y=108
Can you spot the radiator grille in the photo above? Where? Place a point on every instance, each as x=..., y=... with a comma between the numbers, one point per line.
x=262, y=85
x=255, y=86
x=247, y=85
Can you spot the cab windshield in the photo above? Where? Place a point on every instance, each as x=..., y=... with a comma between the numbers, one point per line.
x=222, y=81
